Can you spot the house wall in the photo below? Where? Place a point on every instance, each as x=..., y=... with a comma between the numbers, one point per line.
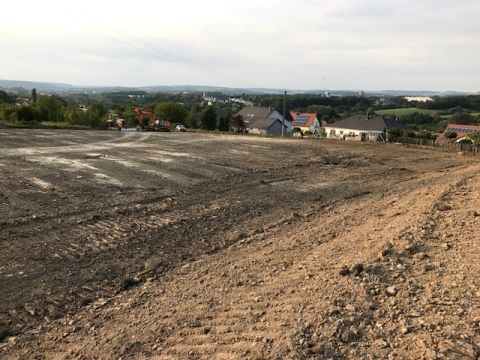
x=276, y=129
x=256, y=131
x=353, y=135
x=314, y=128
x=276, y=115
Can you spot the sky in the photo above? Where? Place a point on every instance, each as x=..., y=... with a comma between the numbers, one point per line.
x=292, y=44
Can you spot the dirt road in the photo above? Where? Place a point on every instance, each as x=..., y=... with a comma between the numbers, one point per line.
x=201, y=246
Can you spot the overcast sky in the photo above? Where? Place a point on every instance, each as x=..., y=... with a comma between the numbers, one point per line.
x=295, y=44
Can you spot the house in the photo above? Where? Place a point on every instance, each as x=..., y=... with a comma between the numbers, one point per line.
x=361, y=128
x=460, y=132
x=305, y=122
x=264, y=121
x=423, y=99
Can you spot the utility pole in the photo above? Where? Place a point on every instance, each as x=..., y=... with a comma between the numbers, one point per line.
x=284, y=111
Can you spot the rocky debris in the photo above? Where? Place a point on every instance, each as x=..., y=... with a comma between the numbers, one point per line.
x=344, y=271
x=4, y=332
x=254, y=300
x=445, y=207
x=446, y=246
x=457, y=350
x=357, y=269
x=391, y=291
x=96, y=156
x=130, y=282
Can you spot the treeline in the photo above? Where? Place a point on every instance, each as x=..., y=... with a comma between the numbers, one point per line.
x=471, y=102
x=439, y=121
x=341, y=104
x=54, y=109
x=196, y=116
x=191, y=109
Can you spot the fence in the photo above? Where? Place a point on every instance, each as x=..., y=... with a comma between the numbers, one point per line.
x=453, y=146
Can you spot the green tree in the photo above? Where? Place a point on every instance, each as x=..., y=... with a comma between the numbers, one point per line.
x=49, y=108
x=462, y=117
x=96, y=115
x=75, y=116
x=224, y=123
x=475, y=137
x=34, y=95
x=451, y=135
x=394, y=134
x=209, y=118
x=4, y=97
x=424, y=134
x=171, y=111
x=417, y=119
x=25, y=113
x=324, y=112
x=194, y=117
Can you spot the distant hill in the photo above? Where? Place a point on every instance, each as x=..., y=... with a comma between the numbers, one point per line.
x=16, y=85
x=28, y=85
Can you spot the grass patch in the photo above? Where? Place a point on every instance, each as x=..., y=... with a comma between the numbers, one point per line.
x=42, y=125
x=405, y=111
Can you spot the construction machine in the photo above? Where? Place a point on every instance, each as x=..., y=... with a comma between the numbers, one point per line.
x=114, y=121
x=147, y=121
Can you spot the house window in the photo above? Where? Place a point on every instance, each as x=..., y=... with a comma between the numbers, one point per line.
x=332, y=132
x=341, y=132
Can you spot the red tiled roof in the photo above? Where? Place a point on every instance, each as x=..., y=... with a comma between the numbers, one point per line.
x=461, y=131
x=307, y=121
x=462, y=128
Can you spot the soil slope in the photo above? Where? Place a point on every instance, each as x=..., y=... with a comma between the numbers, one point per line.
x=382, y=264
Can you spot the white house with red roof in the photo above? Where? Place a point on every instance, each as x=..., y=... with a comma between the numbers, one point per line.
x=305, y=122
x=461, y=131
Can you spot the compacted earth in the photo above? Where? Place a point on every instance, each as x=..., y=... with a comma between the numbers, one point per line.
x=118, y=245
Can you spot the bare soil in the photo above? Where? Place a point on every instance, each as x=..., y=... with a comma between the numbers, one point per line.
x=186, y=246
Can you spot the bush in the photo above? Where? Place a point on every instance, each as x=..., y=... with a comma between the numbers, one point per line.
x=425, y=135
x=451, y=135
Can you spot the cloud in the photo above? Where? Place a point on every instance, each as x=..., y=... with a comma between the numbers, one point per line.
x=286, y=43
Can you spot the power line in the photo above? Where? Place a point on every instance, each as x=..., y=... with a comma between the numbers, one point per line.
x=172, y=56
x=162, y=54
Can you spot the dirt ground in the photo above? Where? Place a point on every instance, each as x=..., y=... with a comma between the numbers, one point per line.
x=187, y=246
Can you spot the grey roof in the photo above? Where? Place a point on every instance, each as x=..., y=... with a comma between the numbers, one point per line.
x=262, y=123
x=254, y=112
x=259, y=117
x=363, y=122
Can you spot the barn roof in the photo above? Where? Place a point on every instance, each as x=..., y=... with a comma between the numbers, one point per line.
x=364, y=122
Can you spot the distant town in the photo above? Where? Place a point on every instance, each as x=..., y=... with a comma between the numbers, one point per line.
x=426, y=118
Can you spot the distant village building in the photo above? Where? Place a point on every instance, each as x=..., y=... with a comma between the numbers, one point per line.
x=305, y=122
x=211, y=99
x=264, y=121
x=241, y=101
x=23, y=102
x=361, y=128
x=422, y=99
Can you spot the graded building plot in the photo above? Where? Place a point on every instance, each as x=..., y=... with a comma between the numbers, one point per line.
x=94, y=219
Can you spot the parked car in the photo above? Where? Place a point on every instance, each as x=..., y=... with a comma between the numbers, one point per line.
x=181, y=128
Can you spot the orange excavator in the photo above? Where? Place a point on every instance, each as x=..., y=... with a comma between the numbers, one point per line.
x=147, y=121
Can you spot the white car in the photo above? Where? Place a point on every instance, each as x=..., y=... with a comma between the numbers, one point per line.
x=181, y=128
